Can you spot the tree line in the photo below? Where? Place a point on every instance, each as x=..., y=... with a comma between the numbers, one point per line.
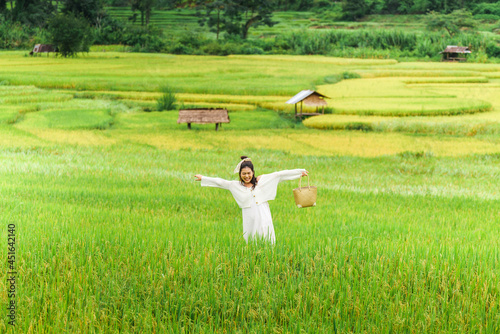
x=73, y=25
x=37, y=12
x=354, y=9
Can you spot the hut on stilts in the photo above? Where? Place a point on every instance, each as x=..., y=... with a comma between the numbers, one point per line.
x=310, y=98
x=455, y=53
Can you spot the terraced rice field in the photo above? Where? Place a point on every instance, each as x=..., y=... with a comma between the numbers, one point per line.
x=113, y=234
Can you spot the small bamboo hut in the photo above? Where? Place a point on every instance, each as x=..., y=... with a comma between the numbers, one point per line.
x=43, y=48
x=203, y=116
x=455, y=53
x=310, y=98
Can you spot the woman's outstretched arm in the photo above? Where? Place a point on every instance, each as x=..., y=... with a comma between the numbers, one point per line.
x=212, y=181
x=288, y=175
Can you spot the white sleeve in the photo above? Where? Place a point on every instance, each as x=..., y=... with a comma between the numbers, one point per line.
x=215, y=182
x=288, y=175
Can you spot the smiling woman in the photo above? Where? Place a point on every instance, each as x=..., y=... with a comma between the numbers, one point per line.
x=252, y=194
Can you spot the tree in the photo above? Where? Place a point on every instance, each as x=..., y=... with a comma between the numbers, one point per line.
x=235, y=17
x=145, y=7
x=355, y=9
x=33, y=12
x=213, y=15
x=91, y=10
x=167, y=4
x=70, y=34
x=3, y=6
x=420, y=6
x=452, y=22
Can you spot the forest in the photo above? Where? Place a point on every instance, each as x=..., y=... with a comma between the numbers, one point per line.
x=221, y=27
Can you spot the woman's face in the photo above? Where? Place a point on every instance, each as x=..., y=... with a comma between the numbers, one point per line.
x=246, y=174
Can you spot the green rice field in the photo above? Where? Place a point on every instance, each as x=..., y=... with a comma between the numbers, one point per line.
x=112, y=234
x=183, y=20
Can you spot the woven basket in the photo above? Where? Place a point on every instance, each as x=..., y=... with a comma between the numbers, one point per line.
x=305, y=196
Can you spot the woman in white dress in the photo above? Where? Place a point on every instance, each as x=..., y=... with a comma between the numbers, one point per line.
x=252, y=194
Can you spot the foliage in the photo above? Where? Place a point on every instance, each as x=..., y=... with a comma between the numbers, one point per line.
x=140, y=38
x=235, y=17
x=487, y=11
x=453, y=23
x=70, y=34
x=33, y=13
x=145, y=8
x=167, y=99
x=355, y=9
x=167, y=4
x=214, y=16
x=92, y=10
x=144, y=39
x=366, y=43
x=15, y=36
x=487, y=8
x=493, y=50
x=110, y=31
x=117, y=3
x=350, y=75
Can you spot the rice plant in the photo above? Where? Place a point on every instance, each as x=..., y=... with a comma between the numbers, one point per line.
x=167, y=100
x=115, y=236
x=121, y=239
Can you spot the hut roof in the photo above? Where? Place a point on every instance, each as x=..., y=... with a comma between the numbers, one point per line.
x=203, y=116
x=310, y=98
x=456, y=49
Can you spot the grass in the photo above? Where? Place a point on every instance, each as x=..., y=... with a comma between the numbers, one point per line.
x=69, y=119
x=410, y=107
x=420, y=125
x=402, y=96
x=114, y=235
x=115, y=244
x=386, y=88
x=187, y=74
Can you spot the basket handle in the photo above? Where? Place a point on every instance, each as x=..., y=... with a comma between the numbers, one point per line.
x=300, y=180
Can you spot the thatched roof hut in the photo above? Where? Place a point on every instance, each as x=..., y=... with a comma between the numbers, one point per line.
x=43, y=48
x=310, y=98
x=455, y=53
x=203, y=116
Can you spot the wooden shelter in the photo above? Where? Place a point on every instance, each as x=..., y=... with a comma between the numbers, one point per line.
x=43, y=48
x=310, y=98
x=203, y=116
x=455, y=53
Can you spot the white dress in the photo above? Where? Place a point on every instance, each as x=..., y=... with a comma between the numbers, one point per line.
x=257, y=220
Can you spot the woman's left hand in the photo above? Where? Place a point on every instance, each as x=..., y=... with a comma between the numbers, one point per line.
x=305, y=173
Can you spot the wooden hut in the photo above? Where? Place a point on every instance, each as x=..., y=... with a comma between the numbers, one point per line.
x=203, y=116
x=455, y=53
x=43, y=48
x=310, y=98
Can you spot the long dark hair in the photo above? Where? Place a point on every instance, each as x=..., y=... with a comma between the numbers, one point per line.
x=248, y=164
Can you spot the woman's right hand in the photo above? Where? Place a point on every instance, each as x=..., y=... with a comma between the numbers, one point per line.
x=198, y=177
